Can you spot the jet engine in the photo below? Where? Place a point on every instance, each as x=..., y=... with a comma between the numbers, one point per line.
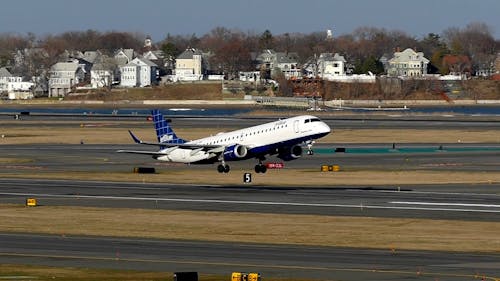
x=235, y=152
x=290, y=153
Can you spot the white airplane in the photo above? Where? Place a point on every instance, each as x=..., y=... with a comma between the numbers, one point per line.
x=281, y=138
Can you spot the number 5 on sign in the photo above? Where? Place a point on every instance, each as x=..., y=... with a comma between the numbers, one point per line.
x=247, y=178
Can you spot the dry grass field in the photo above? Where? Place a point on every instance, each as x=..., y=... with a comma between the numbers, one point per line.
x=382, y=233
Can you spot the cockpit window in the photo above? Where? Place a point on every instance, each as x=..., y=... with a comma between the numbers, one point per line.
x=312, y=120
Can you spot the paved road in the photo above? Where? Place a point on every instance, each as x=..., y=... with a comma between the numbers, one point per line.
x=224, y=258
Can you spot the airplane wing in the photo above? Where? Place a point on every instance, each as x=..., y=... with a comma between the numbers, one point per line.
x=141, y=152
x=179, y=145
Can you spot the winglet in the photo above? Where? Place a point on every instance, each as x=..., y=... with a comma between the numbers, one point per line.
x=136, y=139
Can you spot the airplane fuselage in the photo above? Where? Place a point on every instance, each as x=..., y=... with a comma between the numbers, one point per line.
x=279, y=137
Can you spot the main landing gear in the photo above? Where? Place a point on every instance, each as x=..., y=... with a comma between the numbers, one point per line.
x=223, y=168
x=260, y=168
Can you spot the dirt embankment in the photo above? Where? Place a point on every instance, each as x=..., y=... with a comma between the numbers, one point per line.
x=195, y=91
x=395, y=89
x=383, y=89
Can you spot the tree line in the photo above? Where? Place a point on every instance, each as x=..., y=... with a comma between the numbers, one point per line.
x=232, y=49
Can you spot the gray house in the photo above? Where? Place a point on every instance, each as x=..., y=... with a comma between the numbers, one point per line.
x=408, y=63
x=63, y=76
x=269, y=62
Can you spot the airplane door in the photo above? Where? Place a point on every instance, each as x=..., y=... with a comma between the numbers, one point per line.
x=296, y=126
x=241, y=137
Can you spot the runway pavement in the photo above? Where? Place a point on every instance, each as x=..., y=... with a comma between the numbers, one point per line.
x=224, y=258
x=482, y=203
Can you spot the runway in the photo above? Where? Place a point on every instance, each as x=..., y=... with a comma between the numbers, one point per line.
x=223, y=258
x=433, y=202
x=473, y=202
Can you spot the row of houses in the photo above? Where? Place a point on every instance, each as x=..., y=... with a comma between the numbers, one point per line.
x=127, y=68
x=95, y=70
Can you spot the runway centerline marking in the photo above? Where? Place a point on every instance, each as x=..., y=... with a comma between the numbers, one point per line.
x=445, y=204
x=261, y=203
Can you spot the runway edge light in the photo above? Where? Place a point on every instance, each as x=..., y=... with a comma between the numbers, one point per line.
x=31, y=202
x=242, y=276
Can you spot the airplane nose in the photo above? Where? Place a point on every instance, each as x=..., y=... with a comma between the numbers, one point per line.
x=326, y=128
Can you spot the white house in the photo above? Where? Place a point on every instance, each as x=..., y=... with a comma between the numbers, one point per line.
x=249, y=76
x=5, y=78
x=326, y=66
x=139, y=72
x=129, y=74
x=14, y=85
x=102, y=74
x=63, y=76
x=20, y=90
x=407, y=63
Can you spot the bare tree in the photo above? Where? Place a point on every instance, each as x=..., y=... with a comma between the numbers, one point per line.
x=475, y=40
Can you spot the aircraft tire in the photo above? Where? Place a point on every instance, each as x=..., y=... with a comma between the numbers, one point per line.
x=259, y=168
x=227, y=169
x=220, y=168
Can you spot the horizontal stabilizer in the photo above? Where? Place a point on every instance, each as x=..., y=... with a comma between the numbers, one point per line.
x=136, y=139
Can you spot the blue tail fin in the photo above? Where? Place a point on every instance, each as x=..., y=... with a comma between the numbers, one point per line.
x=164, y=132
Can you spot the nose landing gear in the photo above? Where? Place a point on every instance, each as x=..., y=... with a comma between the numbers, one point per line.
x=309, y=147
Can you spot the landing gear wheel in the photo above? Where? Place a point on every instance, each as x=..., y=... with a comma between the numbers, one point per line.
x=220, y=168
x=259, y=168
x=263, y=169
x=223, y=168
x=309, y=147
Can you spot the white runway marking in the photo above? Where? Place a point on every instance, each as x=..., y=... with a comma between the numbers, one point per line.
x=445, y=204
x=262, y=203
